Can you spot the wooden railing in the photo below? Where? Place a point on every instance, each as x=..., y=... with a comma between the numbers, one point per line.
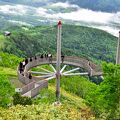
x=92, y=68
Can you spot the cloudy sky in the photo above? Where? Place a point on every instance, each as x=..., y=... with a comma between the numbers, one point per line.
x=109, y=22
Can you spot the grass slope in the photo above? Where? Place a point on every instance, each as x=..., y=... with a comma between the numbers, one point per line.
x=8, y=66
x=72, y=108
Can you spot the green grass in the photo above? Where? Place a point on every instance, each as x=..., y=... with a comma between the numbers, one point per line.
x=42, y=66
x=12, y=76
x=72, y=108
x=8, y=71
x=2, y=40
x=77, y=85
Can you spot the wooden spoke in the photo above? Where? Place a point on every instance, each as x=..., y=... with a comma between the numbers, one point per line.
x=63, y=68
x=46, y=70
x=52, y=67
x=71, y=70
x=72, y=74
x=43, y=73
x=44, y=76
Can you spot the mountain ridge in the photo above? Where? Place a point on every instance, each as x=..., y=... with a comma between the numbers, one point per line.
x=77, y=41
x=97, y=5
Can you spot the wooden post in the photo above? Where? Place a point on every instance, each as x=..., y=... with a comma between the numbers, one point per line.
x=58, y=61
x=118, y=51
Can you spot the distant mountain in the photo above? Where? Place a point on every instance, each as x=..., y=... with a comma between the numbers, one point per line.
x=76, y=41
x=35, y=3
x=48, y=12
x=97, y=5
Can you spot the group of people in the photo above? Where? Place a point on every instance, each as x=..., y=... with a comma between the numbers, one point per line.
x=25, y=62
x=47, y=56
x=22, y=67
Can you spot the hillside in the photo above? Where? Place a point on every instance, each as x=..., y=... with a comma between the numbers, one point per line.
x=88, y=42
x=73, y=107
x=100, y=101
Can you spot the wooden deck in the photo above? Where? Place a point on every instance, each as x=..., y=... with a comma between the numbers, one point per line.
x=31, y=89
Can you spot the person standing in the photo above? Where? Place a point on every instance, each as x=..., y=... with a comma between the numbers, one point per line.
x=50, y=57
x=62, y=58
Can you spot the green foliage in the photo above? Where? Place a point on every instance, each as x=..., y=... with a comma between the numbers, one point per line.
x=76, y=41
x=46, y=96
x=8, y=71
x=44, y=112
x=105, y=100
x=79, y=41
x=6, y=91
x=72, y=107
x=9, y=60
x=78, y=85
x=18, y=99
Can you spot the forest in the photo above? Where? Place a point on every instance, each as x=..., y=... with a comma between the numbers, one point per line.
x=88, y=42
x=80, y=98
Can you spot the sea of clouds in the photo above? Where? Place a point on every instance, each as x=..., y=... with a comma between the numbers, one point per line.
x=109, y=22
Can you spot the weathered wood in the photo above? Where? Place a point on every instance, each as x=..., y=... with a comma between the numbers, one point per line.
x=28, y=87
x=31, y=90
x=118, y=51
x=74, y=61
x=35, y=91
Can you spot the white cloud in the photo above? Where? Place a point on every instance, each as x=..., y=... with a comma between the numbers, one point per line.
x=111, y=30
x=78, y=15
x=116, y=18
x=64, y=5
x=41, y=11
x=83, y=15
x=107, y=20
x=19, y=22
x=13, y=9
x=92, y=17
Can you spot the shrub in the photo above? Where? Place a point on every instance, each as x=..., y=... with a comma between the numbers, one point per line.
x=9, y=60
x=6, y=91
x=18, y=99
x=105, y=100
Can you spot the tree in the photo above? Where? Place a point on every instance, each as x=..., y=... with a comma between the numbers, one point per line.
x=6, y=91
x=105, y=100
x=18, y=99
x=110, y=88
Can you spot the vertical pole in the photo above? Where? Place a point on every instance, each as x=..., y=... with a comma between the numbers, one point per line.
x=58, y=61
x=118, y=51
